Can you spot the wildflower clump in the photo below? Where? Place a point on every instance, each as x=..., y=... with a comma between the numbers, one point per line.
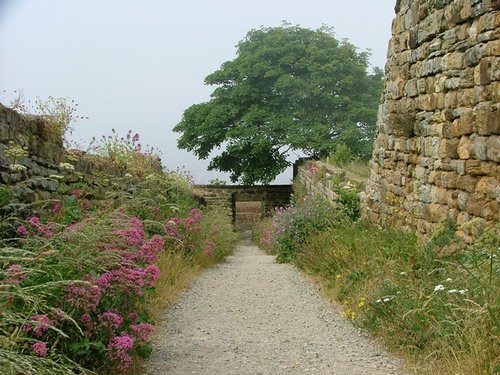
x=78, y=280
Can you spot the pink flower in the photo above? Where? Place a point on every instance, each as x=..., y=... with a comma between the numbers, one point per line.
x=56, y=207
x=142, y=331
x=123, y=342
x=133, y=236
x=21, y=230
x=34, y=221
x=111, y=319
x=152, y=274
x=76, y=193
x=209, y=249
x=88, y=324
x=84, y=296
x=39, y=328
x=16, y=273
x=39, y=348
x=133, y=316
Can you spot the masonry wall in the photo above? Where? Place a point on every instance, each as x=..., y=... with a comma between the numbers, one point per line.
x=48, y=169
x=437, y=149
x=231, y=197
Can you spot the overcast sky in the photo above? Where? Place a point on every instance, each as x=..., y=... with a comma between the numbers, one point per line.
x=139, y=64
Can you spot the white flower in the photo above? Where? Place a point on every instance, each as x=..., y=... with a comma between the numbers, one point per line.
x=463, y=291
x=127, y=175
x=439, y=287
x=378, y=301
x=452, y=291
x=449, y=279
x=387, y=299
x=67, y=166
x=56, y=176
x=402, y=273
x=17, y=168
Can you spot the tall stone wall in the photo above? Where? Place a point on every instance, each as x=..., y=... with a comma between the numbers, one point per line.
x=437, y=149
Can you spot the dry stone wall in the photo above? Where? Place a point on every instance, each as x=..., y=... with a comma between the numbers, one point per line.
x=437, y=149
x=43, y=169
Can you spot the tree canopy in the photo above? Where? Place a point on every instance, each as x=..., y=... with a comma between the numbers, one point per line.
x=289, y=88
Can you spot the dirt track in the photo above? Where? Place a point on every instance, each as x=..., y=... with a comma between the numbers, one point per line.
x=251, y=315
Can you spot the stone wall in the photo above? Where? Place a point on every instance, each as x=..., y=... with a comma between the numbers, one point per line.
x=437, y=149
x=47, y=169
x=232, y=199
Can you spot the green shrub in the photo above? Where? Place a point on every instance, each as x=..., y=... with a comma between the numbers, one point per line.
x=5, y=195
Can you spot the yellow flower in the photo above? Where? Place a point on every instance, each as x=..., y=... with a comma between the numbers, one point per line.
x=338, y=276
x=361, y=302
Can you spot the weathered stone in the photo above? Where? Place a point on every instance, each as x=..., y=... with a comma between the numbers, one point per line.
x=478, y=147
x=493, y=148
x=483, y=72
x=474, y=54
x=488, y=187
x=487, y=120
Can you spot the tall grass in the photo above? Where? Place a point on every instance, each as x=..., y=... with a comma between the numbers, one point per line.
x=436, y=303
x=82, y=284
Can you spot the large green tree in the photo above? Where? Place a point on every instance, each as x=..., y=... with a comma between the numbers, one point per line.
x=289, y=88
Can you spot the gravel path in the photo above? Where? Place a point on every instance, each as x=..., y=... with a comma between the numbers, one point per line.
x=253, y=316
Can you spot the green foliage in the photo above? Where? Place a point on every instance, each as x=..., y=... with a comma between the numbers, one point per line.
x=289, y=88
x=81, y=260
x=5, y=195
x=126, y=155
x=440, y=309
x=342, y=155
x=348, y=198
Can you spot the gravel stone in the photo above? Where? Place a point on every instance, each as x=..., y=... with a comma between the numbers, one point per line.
x=250, y=316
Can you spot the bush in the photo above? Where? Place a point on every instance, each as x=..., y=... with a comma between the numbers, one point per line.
x=76, y=285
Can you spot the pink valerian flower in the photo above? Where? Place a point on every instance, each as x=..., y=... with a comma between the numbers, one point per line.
x=142, y=331
x=132, y=236
x=42, y=229
x=209, y=249
x=152, y=275
x=33, y=221
x=118, y=348
x=85, y=204
x=129, y=280
x=76, y=193
x=84, y=296
x=110, y=319
x=16, y=273
x=88, y=324
x=172, y=228
x=21, y=230
x=150, y=249
x=135, y=222
x=133, y=316
x=104, y=281
x=39, y=348
x=56, y=207
x=193, y=219
x=42, y=325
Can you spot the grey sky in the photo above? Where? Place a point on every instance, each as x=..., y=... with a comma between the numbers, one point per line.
x=139, y=64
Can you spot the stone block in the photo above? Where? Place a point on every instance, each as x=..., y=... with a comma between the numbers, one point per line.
x=450, y=100
x=453, y=60
x=435, y=212
x=493, y=148
x=440, y=195
x=458, y=165
x=493, y=48
x=487, y=119
x=467, y=183
x=474, y=205
x=478, y=147
x=483, y=71
x=449, y=148
x=488, y=187
x=474, y=54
